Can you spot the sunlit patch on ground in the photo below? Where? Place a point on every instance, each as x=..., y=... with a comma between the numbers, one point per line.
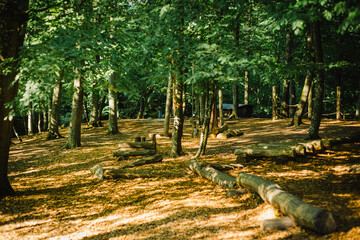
x=58, y=198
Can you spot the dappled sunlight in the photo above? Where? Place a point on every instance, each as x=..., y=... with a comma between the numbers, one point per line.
x=58, y=198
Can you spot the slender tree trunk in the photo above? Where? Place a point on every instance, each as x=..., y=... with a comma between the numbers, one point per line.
x=45, y=120
x=74, y=138
x=246, y=91
x=94, y=112
x=214, y=124
x=287, y=82
x=338, y=103
x=319, y=85
x=39, y=125
x=206, y=124
x=292, y=100
x=176, y=149
x=274, y=103
x=113, y=127
x=101, y=108
x=141, y=108
x=235, y=98
x=12, y=29
x=55, y=111
x=221, y=112
x=86, y=110
x=297, y=119
x=202, y=108
x=197, y=105
x=30, y=119
x=168, y=106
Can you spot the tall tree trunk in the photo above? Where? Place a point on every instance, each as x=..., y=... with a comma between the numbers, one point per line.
x=246, y=91
x=202, y=108
x=274, y=103
x=94, y=112
x=207, y=99
x=214, y=124
x=168, y=106
x=310, y=99
x=306, y=94
x=235, y=98
x=292, y=100
x=287, y=82
x=319, y=84
x=176, y=149
x=221, y=112
x=39, y=125
x=45, y=120
x=113, y=127
x=338, y=103
x=74, y=138
x=55, y=110
x=30, y=119
x=13, y=19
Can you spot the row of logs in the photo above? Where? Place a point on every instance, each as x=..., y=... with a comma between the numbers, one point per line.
x=298, y=211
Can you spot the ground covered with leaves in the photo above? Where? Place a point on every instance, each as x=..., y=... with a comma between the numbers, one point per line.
x=59, y=198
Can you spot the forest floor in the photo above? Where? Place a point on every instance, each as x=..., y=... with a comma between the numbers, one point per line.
x=58, y=198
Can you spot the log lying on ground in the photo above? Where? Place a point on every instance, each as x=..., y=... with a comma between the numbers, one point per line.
x=259, y=151
x=142, y=161
x=304, y=214
x=355, y=137
x=277, y=224
x=230, y=133
x=101, y=173
x=299, y=149
x=221, y=129
x=212, y=174
x=226, y=167
x=134, y=152
x=136, y=145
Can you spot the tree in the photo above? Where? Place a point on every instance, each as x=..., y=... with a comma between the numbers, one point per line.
x=74, y=138
x=113, y=127
x=54, y=118
x=13, y=19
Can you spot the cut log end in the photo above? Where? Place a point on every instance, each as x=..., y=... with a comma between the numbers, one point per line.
x=325, y=222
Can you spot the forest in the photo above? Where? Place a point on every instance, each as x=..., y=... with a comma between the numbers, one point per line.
x=216, y=97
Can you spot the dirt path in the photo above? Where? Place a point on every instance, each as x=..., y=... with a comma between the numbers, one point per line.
x=58, y=198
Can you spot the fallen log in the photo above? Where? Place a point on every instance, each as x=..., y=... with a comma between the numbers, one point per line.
x=221, y=129
x=141, y=145
x=304, y=214
x=259, y=151
x=210, y=173
x=134, y=152
x=226, y=167
x=102, y=174
x=143, y=161
x=299, y=149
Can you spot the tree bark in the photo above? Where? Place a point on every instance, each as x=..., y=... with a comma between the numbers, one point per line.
x=168, y=106
x=319, y=84
x=208, y=95
x=113, y=127
x=74, y=138
x=246, y=90
x=45, y=121
x=235, y=98
x=55, y=111
x=304, y=214
x=12, y=29
x=134, y=152
x=297, y=119
x=274, y=103
x=338, y=103
x=221, y=112
x=212, y=174
x=259, y=151
x=131, y=145
x=30, y=119
x=94, y=112
x=176, y=149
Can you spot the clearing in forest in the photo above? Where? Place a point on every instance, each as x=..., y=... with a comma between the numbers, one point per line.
x=58, y=198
